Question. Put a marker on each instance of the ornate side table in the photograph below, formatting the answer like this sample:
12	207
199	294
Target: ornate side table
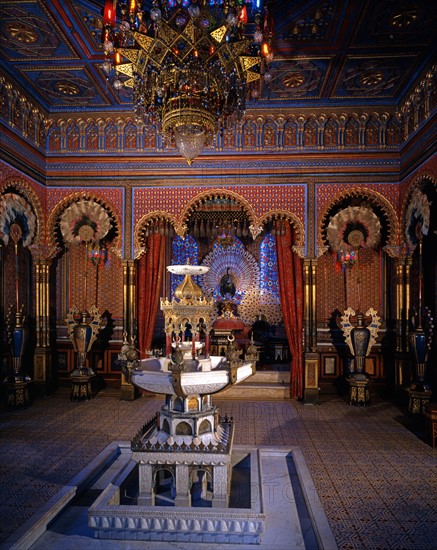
359	392
81	388
18	394
418	400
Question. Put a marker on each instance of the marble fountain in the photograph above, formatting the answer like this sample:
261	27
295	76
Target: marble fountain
181	482
182	459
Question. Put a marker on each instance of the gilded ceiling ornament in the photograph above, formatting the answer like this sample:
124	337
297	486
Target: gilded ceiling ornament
67	88
354	227
417	218
372	78
405	18
22	33
16	211
293	80
84	222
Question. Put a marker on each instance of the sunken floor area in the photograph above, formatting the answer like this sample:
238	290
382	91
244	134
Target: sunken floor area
374	472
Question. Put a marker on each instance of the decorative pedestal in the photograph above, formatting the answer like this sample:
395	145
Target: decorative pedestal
418	400
128	392
311	392
359	392
431	420
18	394
81	388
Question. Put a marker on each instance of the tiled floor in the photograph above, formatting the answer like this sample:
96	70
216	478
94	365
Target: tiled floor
376	478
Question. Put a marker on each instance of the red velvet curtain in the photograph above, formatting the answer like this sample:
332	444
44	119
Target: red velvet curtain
149	283
290	274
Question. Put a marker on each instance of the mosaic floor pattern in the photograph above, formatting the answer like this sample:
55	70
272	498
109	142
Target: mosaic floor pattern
376	479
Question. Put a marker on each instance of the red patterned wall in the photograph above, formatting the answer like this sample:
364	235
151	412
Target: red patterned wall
326	193
104	284
262	199
339	290
112	196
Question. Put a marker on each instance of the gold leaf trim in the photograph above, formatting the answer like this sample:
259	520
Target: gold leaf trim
125	68
144	41
219	34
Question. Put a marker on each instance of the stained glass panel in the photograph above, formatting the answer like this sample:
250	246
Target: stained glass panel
269	266
185	251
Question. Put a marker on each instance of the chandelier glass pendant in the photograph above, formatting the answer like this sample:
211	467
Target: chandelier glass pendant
191	64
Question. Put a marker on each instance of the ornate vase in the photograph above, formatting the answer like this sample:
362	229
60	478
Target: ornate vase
82	336
360	338
17	341
419	345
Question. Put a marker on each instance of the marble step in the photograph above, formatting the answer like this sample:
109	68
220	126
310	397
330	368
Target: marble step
262	385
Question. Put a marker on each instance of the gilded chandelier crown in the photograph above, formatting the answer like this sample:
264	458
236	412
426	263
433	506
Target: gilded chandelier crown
190	63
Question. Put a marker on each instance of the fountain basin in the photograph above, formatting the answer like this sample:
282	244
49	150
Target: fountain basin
200	376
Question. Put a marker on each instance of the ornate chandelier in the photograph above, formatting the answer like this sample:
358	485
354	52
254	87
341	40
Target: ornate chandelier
191	64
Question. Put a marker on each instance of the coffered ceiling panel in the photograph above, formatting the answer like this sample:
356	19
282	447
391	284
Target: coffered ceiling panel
327	53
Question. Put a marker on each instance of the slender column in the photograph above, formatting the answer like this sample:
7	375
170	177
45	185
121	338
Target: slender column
42	355
407	310
132	268
307	302
126	326
400	303
313	305
127	390
129	297
311	381
402	307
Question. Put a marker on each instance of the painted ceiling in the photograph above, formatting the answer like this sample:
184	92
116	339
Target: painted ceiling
336	53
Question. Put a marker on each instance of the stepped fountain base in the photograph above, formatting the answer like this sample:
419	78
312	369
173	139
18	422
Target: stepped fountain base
237	520
282	491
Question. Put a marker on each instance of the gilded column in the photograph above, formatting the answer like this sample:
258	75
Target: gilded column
132	293
129	297
400	303
127	389
314	305
407	309
125	264
307	303
312	360
42	368
311	382
402	307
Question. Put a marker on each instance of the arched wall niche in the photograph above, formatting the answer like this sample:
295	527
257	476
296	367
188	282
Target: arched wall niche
271	219
219	200
338	281
419	223
88	273
54	234
423	183
159	222
24	190
358	196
